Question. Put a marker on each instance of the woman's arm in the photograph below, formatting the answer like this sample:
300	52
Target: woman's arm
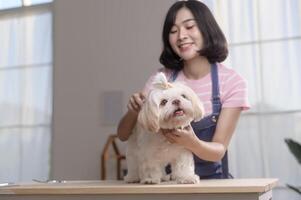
126	125
215	150
128	121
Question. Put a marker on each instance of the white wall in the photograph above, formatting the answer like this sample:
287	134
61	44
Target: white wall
99	46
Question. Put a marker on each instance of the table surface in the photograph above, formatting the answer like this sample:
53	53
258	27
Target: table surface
119	187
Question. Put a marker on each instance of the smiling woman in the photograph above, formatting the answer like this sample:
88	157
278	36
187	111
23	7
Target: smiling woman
193	46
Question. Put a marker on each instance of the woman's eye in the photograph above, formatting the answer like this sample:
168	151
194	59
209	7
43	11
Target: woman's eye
172	31
189	27
163	102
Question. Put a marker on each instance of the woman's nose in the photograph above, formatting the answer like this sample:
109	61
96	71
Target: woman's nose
182	34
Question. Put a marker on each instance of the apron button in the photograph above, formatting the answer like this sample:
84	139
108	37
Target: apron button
213	119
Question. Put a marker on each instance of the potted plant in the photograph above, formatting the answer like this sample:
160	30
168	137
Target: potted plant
295	148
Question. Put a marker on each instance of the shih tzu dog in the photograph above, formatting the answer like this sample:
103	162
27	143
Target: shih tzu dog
167	106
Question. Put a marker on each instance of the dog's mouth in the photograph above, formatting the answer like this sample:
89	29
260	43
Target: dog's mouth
178	112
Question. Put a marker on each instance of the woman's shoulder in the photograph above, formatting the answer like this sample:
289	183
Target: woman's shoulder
227	74
223	69
234	91
169	73
166	71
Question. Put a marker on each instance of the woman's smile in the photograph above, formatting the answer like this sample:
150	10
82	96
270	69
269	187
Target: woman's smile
185	46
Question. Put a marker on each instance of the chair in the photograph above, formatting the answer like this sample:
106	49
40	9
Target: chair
111	141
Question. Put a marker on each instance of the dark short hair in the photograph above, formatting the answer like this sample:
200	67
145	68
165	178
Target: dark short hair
215	47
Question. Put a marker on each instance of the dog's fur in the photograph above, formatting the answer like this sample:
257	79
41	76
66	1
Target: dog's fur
167	106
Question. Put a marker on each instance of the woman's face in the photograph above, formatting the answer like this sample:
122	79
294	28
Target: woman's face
185	37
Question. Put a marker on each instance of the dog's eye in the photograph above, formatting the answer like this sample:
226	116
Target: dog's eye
184	96
163	102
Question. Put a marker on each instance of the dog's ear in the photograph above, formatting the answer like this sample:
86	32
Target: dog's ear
198	107
149	114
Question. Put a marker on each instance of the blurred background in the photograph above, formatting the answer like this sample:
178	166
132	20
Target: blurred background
68	67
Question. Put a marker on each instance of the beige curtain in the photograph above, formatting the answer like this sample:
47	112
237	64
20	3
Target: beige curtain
265	46
25	94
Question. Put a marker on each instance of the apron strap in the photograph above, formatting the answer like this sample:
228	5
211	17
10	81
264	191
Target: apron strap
216	108
216	101
173	76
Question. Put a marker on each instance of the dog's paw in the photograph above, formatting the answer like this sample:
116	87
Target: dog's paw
150	181
166	178
131	179
188	180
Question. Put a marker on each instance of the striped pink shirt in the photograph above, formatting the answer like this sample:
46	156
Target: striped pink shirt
233	88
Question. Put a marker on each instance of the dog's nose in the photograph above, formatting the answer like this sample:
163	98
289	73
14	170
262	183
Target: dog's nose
176	102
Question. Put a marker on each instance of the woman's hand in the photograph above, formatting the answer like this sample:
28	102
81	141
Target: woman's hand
184	137
135	103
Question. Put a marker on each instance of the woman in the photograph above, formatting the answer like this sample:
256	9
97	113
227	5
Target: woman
193	47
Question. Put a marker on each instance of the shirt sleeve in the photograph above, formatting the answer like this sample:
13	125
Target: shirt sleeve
236	93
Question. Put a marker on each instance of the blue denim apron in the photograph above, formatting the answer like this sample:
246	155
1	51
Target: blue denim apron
205	129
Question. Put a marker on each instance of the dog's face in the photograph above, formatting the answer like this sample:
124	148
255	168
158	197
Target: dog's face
170	107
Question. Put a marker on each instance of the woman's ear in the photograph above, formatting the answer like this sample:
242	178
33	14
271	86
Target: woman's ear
148	116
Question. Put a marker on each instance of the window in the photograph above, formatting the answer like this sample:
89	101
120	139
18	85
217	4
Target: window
25	89
265	44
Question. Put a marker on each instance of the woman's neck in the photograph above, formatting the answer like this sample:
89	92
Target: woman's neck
196	68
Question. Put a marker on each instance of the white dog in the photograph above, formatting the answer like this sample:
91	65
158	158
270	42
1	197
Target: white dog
167	106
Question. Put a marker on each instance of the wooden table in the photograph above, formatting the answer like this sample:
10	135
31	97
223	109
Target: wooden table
230	189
